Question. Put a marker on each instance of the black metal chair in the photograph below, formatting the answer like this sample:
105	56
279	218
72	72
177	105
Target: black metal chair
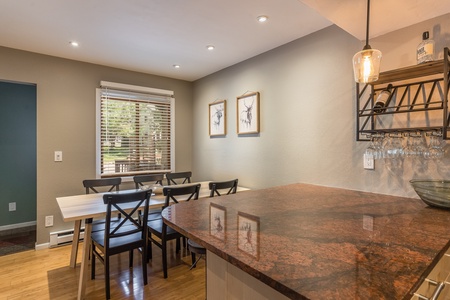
141	180
101	185
163	232
152	179
94	184
229	187
127	235
185	176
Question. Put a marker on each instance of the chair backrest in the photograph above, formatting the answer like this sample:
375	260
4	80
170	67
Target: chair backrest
215	186
139	180
186	176
187	192
127	204
110	183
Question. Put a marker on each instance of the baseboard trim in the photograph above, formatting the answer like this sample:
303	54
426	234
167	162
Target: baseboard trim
42	246
18	225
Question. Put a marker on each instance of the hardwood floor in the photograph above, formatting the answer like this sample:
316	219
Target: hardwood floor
45	274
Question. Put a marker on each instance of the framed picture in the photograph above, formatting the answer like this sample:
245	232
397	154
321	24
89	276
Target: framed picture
248	113
248	234
217	118
217	221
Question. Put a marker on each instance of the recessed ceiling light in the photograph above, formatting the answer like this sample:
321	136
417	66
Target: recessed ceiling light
73	43
210	47
262	19
176	66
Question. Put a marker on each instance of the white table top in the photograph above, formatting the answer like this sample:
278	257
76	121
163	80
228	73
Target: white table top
91	205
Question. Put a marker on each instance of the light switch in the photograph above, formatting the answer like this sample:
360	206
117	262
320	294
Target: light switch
58	155
369	163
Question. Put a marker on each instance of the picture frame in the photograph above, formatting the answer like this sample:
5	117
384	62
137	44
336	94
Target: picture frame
217	221
248	234
218	118
247	109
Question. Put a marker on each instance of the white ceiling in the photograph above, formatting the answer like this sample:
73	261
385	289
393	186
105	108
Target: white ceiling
152	35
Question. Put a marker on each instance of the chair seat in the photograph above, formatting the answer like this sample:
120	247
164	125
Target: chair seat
99	238
155	227
196	248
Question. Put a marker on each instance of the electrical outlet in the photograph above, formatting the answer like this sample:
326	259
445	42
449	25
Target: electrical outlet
58	155
48	221
369	163
12	206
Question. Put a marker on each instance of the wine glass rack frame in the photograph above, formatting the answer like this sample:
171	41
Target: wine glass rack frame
408	83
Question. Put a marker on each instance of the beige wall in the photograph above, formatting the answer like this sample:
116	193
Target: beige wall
66	121
308	115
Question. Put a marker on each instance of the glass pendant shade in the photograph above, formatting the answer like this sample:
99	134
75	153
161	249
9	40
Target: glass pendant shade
366	65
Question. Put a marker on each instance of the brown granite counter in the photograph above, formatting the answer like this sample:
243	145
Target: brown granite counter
322	243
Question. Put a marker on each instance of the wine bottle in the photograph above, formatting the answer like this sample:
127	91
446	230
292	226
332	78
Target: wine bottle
383	100
425	50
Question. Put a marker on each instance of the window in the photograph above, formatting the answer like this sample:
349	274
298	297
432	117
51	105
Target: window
135	130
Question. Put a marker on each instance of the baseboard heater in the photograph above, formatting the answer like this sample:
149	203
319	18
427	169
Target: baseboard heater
60	238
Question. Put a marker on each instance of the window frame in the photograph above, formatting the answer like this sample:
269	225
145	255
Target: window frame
133	89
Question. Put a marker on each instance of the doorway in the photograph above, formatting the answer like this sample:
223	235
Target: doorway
18	151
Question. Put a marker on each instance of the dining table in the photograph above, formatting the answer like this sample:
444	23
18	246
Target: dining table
86	207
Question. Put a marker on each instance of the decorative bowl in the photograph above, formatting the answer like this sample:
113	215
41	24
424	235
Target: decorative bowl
433	192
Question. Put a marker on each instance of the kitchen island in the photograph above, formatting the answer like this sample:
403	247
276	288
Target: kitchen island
312	242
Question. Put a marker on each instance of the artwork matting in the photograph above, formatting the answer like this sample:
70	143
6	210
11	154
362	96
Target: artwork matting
247	108
217	118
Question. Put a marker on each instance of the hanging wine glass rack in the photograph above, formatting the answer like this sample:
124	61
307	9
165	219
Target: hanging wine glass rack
417	91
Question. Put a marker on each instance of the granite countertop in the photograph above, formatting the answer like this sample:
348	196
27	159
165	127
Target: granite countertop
320	243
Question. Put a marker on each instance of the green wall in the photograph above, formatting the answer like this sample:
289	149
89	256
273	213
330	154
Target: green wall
17	152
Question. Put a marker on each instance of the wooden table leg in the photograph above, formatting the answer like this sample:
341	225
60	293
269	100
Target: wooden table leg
75	241
84	272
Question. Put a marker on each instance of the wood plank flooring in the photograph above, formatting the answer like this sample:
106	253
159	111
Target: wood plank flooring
45	274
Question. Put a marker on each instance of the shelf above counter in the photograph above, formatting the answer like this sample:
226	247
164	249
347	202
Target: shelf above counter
419	95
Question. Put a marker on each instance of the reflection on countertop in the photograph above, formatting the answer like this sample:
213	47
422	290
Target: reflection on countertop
320	242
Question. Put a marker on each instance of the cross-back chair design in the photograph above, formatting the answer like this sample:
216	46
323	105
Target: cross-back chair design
159	229
98	186
228	187
93	185
125	235
185	176
140	180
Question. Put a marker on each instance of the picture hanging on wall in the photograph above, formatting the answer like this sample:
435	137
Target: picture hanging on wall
217	118
248	113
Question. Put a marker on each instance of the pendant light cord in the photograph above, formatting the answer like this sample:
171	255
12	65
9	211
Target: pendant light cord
367	27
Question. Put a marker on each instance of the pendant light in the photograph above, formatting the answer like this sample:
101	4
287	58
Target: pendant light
366	63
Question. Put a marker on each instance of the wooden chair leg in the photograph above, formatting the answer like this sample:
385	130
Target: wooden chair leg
193	260
130	259
92	262
164	257
107	286
149	248
177	247
144	265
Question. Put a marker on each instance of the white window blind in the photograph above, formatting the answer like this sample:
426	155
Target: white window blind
134	131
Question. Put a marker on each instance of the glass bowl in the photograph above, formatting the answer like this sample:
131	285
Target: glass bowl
433	192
